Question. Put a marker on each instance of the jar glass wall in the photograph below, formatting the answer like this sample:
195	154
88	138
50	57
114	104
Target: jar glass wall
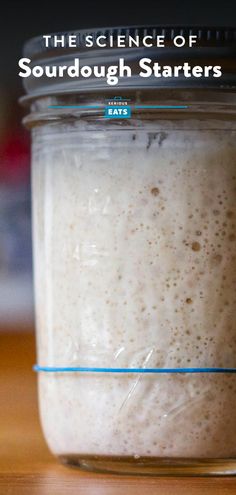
135	267
134	237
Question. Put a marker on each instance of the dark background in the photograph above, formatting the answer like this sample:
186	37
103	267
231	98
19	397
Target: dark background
18	22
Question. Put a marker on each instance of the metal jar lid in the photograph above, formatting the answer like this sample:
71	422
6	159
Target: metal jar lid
214	46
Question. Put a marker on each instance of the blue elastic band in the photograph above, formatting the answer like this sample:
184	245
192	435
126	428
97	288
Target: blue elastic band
86	369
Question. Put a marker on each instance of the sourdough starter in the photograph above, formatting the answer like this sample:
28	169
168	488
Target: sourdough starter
135	266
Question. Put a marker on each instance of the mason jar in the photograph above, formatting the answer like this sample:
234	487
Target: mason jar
135	263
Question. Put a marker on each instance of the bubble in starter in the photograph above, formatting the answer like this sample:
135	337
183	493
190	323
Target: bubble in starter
155	191
196	246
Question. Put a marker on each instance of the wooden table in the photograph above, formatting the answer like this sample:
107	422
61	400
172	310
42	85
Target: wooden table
27	467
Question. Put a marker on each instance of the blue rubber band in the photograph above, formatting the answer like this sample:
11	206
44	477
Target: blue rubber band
86	369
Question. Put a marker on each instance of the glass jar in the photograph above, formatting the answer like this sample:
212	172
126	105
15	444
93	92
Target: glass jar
135	275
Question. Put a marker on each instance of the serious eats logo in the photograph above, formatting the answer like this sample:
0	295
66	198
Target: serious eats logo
117	108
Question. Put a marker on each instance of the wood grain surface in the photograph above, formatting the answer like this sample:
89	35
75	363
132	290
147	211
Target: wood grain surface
27	467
